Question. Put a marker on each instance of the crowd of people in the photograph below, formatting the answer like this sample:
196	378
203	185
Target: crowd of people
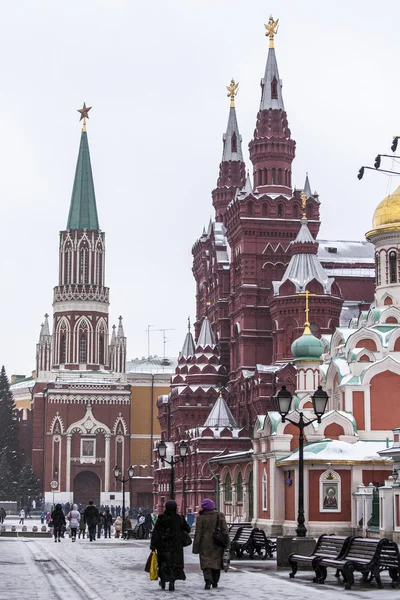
95	522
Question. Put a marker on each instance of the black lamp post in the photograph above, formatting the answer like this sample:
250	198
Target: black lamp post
395	474
162	453
118	476
319	400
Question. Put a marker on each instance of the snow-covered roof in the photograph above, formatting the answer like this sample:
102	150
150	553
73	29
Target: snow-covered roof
220	415
337	451
152	365
344	251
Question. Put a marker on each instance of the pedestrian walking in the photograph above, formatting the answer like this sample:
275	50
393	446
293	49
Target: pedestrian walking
2	515
118	526
74	517
21	516
107	523
42	517
204	544
91	516
82	524
100	523
148	524
167	540
58	519
28	512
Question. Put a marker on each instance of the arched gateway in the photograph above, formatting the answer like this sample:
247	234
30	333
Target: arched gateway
87	487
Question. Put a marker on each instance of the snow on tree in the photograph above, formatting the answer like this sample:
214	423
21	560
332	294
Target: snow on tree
27	484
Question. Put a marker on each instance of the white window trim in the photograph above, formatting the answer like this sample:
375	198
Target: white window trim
264	490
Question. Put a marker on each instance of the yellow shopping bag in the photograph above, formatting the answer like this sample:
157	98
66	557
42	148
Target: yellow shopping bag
153	573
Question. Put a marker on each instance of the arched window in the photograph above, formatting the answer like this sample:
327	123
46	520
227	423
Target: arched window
309	211
295	211
265	176
279	176
101	349
264	491
250	209
393	266
234	143
274	88
228	489
264	210
100	268
239	488
82	348
84	265
63	348
273	176
280	210
67	266
378	269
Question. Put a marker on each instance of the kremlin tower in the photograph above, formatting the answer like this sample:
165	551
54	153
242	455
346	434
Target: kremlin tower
81	401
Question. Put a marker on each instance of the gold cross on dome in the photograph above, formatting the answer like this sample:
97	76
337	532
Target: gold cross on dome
307	294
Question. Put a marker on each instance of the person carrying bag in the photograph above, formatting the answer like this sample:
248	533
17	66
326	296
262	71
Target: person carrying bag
210	540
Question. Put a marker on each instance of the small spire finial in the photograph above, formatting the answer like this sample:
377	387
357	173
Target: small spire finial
303	197
307	330
188	324
46	316
84	114
272	30
232	91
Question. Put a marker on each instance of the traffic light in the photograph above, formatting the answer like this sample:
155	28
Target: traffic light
361	173
377	162
395	142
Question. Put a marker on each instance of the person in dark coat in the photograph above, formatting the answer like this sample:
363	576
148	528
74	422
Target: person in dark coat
167	540
91	517
58	518
148	524
203	544
107	523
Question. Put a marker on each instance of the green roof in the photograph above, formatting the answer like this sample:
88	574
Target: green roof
83	210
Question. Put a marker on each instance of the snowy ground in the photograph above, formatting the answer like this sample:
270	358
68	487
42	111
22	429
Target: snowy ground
39	569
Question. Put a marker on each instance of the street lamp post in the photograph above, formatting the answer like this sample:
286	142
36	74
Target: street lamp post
119	477
162	455
319	400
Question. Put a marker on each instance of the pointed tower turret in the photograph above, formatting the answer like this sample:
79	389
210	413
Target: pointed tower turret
307	188
206	337
119	365
43	348
220	416
272	150
232	168
188	348
81	299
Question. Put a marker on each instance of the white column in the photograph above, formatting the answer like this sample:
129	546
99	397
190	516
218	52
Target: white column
256	461
68	465
107	464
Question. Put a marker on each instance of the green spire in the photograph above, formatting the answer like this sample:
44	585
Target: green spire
83	210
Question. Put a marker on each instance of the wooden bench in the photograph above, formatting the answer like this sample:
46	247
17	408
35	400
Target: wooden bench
368	556
241	541
327	546
260	542
234	527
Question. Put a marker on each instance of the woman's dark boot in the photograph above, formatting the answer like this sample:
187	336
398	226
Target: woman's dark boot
207	586
172	586
162	584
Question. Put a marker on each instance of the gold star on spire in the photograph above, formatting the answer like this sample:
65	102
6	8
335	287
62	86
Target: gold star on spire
84	114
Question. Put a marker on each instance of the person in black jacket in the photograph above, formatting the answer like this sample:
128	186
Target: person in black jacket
107	523
58	518
167	540
91	516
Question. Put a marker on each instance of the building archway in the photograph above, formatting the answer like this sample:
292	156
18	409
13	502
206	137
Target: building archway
87	487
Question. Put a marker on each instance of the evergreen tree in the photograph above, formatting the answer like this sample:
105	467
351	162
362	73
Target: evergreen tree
7	483
8	426
27	484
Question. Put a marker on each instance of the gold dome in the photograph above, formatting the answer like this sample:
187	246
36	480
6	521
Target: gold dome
387	213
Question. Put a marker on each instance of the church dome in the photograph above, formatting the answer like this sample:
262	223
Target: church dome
387	213
307	347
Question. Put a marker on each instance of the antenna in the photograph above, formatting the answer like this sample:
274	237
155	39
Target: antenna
165	340
148	339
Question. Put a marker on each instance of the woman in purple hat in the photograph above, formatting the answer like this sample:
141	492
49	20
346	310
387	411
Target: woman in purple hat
204	544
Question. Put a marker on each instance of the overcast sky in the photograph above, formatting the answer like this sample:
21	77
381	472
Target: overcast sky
155	74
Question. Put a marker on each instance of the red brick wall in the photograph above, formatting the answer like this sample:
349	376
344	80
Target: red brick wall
370	344
333	431
375	475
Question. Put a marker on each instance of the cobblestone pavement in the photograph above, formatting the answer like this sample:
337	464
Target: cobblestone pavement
40	569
